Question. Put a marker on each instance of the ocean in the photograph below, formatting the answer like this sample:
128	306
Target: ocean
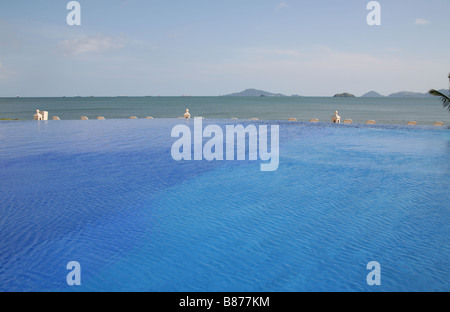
398	111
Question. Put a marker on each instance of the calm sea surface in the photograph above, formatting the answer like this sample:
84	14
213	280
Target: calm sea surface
425	111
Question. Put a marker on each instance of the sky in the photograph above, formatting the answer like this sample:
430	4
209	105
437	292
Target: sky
211	47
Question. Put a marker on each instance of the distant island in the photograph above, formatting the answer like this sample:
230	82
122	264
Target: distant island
255	92
345	94
371	94
402	94
409	94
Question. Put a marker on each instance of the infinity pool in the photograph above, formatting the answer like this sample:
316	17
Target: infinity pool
108	195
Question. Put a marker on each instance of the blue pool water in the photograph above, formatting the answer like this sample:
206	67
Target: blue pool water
109	195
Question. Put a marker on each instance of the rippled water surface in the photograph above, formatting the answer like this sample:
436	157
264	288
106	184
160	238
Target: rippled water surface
109	195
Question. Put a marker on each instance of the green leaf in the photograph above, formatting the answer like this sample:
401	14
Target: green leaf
444	98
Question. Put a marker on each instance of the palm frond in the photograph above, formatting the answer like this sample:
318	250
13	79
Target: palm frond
444	98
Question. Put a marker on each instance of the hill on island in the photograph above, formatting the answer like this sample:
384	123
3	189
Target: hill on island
254	92
345	94
372	94
409	94
403	94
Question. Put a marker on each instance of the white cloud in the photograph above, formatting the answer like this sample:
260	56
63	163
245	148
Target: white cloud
421	21
282	5
89	44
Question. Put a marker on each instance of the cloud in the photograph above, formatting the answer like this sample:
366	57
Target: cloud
421	21
90	44
282	5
